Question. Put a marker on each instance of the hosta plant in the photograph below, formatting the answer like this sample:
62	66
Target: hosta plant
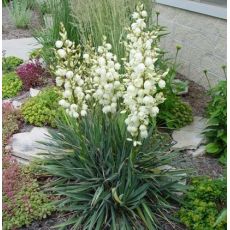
103	181
11	85
42	109
9	64
32	73
216	130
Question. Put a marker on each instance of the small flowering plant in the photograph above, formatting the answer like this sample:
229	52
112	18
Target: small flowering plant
94	77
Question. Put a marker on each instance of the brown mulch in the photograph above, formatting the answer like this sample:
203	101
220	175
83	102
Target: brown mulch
10	31
197	96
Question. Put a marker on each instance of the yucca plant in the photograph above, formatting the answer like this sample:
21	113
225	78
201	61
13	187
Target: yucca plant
106	184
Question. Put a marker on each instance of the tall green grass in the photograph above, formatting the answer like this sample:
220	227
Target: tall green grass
60	11
90	19
95	18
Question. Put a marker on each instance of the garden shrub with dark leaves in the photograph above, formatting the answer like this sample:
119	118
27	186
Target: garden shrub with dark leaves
106	183
32	73
9	64
216	130
42	109
11	85
23	201
203	204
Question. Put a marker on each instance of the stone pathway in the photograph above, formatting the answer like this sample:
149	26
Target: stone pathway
20	47
190	137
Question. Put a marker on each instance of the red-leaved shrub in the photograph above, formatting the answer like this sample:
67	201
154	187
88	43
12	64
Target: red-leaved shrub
32	73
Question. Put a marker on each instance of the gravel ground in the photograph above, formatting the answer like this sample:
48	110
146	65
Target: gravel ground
200	166
9	30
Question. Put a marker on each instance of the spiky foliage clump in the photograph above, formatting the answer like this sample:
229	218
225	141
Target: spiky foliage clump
103	181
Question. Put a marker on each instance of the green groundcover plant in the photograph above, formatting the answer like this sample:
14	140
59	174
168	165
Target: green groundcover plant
11	85
203	204
103	181
9	64
11	121
174	113
42	109
216	130
23	201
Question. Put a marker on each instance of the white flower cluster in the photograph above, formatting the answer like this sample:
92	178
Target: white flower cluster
72	76
97	77
106	78
142	79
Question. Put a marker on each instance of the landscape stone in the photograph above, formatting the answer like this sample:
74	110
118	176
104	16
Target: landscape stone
17	104
190	136
34	92
198	152
24	145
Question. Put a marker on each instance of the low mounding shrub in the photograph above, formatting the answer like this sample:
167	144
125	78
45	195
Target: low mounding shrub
11	85
11	121
203	203
174	113
32	73
216	130
9	64
42	109
23	201
105	182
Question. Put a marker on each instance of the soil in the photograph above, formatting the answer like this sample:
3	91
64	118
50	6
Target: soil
10	31
197	96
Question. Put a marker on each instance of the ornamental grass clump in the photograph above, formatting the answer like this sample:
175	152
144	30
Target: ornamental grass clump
32	73
20	13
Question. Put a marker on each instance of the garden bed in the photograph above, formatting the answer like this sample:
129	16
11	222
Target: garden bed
124	139
10	31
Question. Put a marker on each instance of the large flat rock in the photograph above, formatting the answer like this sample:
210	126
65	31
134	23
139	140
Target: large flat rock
20	47
24	145
190	137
